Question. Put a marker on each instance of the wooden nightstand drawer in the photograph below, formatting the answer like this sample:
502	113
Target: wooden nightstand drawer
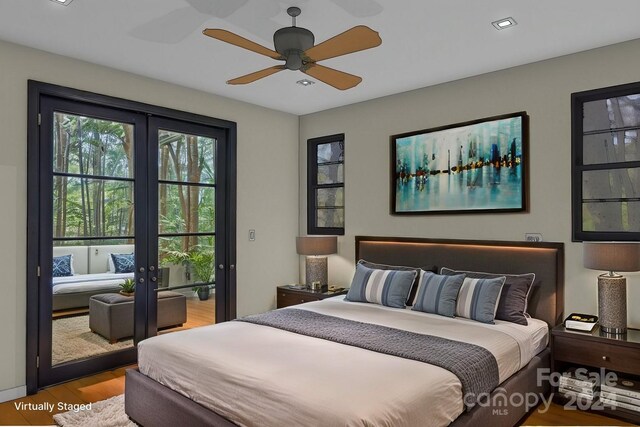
287	296
285	299
597	354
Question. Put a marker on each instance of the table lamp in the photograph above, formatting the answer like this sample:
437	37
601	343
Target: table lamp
316	264
612	287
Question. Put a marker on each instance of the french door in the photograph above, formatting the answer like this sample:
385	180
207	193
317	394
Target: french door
123	197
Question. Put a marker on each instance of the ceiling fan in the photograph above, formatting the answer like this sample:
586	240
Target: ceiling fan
295	46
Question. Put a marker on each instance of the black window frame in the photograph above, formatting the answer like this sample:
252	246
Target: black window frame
578	100
312	184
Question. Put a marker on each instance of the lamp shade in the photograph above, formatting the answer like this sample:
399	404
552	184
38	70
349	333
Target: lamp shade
317	245
611	256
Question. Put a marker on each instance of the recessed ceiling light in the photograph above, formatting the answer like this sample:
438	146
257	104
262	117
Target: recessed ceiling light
305	82
62	2
501	24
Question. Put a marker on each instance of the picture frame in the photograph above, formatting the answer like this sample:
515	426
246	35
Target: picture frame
479	166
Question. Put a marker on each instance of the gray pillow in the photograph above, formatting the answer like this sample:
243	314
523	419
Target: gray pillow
386	287
437	294
478	298
414	285
512	306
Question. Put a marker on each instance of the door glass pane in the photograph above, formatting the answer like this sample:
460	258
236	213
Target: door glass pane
86	207
191	259
92	260
186	208
90	146
186	230
186	158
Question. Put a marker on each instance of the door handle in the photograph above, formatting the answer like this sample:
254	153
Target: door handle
221	266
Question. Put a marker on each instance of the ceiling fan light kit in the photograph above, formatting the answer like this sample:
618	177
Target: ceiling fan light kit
296	46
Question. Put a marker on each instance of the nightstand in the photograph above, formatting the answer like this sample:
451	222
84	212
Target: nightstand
288	295
596	351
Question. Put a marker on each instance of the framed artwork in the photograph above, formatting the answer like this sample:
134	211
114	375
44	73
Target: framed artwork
606	163
472	167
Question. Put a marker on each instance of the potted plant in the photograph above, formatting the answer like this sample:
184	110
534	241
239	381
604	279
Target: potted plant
199	263
128	287
202	264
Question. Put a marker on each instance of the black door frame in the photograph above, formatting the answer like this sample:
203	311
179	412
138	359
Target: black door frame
36	92
155	124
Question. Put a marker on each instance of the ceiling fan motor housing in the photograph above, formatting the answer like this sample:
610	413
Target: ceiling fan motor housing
291	42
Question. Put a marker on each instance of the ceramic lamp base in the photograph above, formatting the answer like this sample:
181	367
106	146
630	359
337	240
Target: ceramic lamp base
612	303
316	272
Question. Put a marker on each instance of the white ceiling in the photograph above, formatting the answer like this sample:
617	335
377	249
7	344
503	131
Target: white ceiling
424	42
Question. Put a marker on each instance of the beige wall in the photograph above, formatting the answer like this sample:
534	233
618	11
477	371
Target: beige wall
543	90
267	183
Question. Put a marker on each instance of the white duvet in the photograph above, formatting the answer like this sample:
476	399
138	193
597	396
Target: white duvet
260	376
89	282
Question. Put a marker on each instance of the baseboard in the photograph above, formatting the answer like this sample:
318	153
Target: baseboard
13	393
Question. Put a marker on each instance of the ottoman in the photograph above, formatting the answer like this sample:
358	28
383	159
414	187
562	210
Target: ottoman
111	315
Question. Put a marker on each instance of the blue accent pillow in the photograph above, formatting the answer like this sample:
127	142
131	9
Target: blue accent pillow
512	306
478	299
123	263
62	266
437	294
386	287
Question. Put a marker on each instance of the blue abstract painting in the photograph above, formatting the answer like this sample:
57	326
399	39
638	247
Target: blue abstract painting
476	166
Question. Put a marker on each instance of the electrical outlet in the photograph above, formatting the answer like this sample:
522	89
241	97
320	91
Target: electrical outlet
533	237
252	235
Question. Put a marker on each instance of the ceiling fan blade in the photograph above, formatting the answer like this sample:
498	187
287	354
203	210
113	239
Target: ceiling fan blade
338	79
250	78
353	40
236	40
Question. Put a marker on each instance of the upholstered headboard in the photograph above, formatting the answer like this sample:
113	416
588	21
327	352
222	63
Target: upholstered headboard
545	259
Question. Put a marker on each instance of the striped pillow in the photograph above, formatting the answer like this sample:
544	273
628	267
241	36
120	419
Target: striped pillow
386	287
478	299
437	294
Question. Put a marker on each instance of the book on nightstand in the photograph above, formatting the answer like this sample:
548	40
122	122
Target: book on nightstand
581	322
625	394
578	386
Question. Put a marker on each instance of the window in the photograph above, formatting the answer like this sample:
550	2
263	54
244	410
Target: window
325	185
606	163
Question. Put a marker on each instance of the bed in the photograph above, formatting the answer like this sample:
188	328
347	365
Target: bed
246	373
91	275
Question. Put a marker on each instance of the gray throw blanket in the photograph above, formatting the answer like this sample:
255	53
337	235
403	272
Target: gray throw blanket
475	366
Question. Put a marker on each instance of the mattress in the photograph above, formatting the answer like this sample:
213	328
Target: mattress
260	376
88	282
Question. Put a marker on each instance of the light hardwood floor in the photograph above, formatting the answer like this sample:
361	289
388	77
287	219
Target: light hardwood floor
96	387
